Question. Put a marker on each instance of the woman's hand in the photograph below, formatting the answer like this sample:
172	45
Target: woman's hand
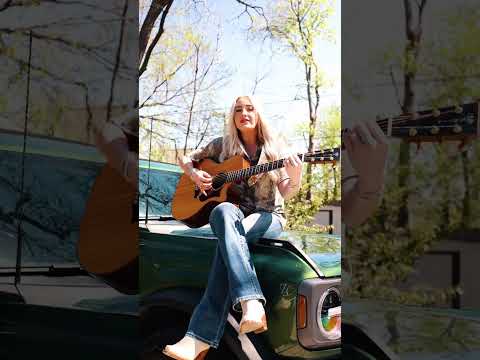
366	145
202	179
293	167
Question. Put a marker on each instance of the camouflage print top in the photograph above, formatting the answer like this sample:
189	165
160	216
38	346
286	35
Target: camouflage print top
263	195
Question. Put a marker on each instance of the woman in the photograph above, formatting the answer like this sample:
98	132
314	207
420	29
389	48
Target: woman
233	281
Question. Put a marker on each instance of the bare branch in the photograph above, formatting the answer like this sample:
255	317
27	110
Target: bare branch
258	10
117	62
163	82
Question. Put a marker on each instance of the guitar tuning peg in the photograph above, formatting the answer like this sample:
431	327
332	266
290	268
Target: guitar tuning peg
434	130
457	129
412	132
436	112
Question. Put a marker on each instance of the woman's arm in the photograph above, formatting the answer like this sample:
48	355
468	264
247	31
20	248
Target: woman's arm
366	147
186	164
112	142
201	178
289	185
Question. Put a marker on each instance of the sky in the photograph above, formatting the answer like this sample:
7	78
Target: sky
246	59
279	89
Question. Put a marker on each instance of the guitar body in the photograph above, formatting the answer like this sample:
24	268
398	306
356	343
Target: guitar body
108	241
190	206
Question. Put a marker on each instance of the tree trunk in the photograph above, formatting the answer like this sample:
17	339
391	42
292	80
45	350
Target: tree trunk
466	211
311	129
414	35
156	8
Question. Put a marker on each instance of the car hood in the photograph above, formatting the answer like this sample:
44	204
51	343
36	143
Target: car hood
413	332
323	249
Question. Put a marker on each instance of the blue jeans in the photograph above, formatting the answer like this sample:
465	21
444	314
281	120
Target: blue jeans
232	277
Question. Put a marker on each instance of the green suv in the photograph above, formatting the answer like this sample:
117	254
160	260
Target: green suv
299	274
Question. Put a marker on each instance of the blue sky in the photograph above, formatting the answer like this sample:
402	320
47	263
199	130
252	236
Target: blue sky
279	90
284	73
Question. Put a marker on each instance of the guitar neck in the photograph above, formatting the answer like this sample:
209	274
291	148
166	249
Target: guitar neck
316	157
255	170
453	122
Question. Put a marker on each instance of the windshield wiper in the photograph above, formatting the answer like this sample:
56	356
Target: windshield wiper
157	218
51	270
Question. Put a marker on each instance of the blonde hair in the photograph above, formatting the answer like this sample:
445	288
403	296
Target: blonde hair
265	135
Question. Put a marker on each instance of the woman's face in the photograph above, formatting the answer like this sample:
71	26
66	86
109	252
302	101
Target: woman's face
245	115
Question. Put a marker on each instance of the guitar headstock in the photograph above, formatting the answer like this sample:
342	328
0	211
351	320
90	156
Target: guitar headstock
323	156
452	123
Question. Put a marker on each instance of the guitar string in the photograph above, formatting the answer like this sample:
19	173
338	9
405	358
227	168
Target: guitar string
240	173
250	171
408	117
383	123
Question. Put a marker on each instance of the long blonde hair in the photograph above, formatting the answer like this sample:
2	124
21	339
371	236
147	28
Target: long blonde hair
265	135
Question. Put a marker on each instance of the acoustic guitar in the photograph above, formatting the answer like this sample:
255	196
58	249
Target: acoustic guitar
108	240
451	123
193	208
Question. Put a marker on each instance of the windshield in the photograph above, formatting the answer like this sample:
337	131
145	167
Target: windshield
57	178
157	183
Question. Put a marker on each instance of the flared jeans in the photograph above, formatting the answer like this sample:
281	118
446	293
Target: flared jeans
232	277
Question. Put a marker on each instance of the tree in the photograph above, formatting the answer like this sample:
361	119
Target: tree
325	177
66	67
178	91
433	181
413	11
299	24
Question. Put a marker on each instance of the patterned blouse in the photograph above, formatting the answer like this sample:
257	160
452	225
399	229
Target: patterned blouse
263	195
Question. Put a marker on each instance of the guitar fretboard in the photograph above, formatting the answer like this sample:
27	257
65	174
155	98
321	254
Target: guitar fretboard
246	173
330	155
